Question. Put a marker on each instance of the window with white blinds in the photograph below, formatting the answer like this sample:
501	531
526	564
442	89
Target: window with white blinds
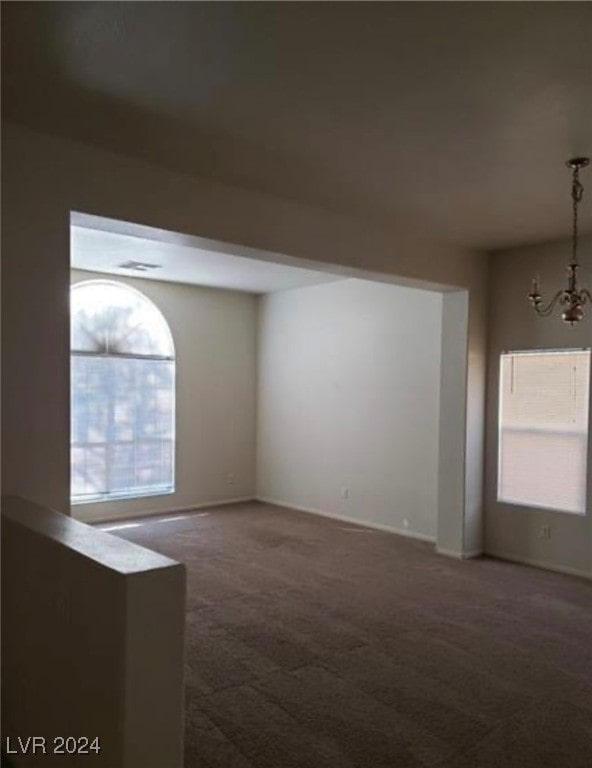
543	429
122	394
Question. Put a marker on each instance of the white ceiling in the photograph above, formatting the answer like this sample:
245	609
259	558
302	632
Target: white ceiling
454	117
102	251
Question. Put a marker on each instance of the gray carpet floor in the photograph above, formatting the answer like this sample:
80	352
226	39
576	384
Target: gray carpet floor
312	643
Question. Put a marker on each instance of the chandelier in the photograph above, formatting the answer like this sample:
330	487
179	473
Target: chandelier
572	298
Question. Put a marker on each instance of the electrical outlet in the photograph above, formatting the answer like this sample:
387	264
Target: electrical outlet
230	478
545	532
344	492
405	523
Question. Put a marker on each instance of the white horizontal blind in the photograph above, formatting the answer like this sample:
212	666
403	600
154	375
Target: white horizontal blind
122	430
543	429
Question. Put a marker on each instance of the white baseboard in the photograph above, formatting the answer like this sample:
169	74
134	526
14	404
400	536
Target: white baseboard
545	565
171	511
348	519
459	555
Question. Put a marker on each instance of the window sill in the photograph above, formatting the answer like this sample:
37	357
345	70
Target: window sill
74	501
540	507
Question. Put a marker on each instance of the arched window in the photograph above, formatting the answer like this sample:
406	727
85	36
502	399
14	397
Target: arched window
122	394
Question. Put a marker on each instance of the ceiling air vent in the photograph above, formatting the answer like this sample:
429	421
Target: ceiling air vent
138	266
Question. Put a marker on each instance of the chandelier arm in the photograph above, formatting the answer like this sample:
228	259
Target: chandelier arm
586	295
546	311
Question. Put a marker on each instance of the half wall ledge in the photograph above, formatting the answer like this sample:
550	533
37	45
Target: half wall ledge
92	641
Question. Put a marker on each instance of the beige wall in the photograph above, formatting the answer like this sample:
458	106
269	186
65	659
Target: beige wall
46	178
349	388
453	391
215	342
514	531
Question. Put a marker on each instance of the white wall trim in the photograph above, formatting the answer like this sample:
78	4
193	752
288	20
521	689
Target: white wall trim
459	555
158	512
348	519
544	564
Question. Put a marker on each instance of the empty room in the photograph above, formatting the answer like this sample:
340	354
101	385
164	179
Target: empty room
296	340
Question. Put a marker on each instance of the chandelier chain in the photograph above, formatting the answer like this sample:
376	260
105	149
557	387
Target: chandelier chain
577	192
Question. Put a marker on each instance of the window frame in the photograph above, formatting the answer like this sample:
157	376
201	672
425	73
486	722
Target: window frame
500	428
138	492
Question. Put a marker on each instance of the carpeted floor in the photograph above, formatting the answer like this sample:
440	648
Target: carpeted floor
314	643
